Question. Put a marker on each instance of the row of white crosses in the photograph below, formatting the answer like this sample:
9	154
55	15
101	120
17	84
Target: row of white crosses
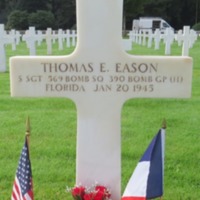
68	37
187	38
34	38
31	37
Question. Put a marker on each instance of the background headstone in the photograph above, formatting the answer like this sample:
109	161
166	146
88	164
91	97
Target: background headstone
4	39
30	37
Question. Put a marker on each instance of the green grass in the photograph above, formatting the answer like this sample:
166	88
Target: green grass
53	135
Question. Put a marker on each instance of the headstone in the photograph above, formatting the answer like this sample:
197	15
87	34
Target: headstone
30	37
157	38
178	37
54	36
4	39
193	37
12	35
40	37
186	41
127	44
18	37
150	38
99	76
140	37
136	37
73	37
60	39
168	39
145	35
131	36
49	37
67	36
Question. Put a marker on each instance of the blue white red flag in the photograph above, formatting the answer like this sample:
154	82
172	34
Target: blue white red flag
23	186
146	181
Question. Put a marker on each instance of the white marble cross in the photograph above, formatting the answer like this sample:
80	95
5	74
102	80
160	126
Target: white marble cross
99	76
193	37
67	36
49	36
131	36
60	36
17	37
4	39
150	38
73	36
186	40
157	38
40	37
127	44
30	37
178	37
140	37
145	36
12	35
168	39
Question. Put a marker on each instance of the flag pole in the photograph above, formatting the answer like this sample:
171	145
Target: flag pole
164	124
28	131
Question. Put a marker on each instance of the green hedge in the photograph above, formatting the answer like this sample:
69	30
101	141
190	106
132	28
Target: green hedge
21	20
42	19
18	20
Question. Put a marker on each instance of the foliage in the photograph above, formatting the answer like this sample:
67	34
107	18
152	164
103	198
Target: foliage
131	11
18	20
196	27
186	12
32	5
96	192
2	4
3	12
178	13
41	19
65	13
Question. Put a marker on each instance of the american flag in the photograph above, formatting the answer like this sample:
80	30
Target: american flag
23	187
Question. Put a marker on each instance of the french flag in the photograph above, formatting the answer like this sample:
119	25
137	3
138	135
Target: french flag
146	181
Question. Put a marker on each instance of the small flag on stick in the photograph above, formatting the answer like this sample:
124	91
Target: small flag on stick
146	181
23	186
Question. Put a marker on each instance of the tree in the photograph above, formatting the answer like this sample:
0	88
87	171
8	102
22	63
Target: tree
196	27
2	4
41	19
2	10
197	19
132	9
176	12
18	20
64	12
33	5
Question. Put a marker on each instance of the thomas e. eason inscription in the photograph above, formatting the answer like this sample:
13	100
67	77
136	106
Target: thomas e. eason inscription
143	76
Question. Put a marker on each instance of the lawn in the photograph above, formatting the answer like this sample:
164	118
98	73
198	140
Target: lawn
53	135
